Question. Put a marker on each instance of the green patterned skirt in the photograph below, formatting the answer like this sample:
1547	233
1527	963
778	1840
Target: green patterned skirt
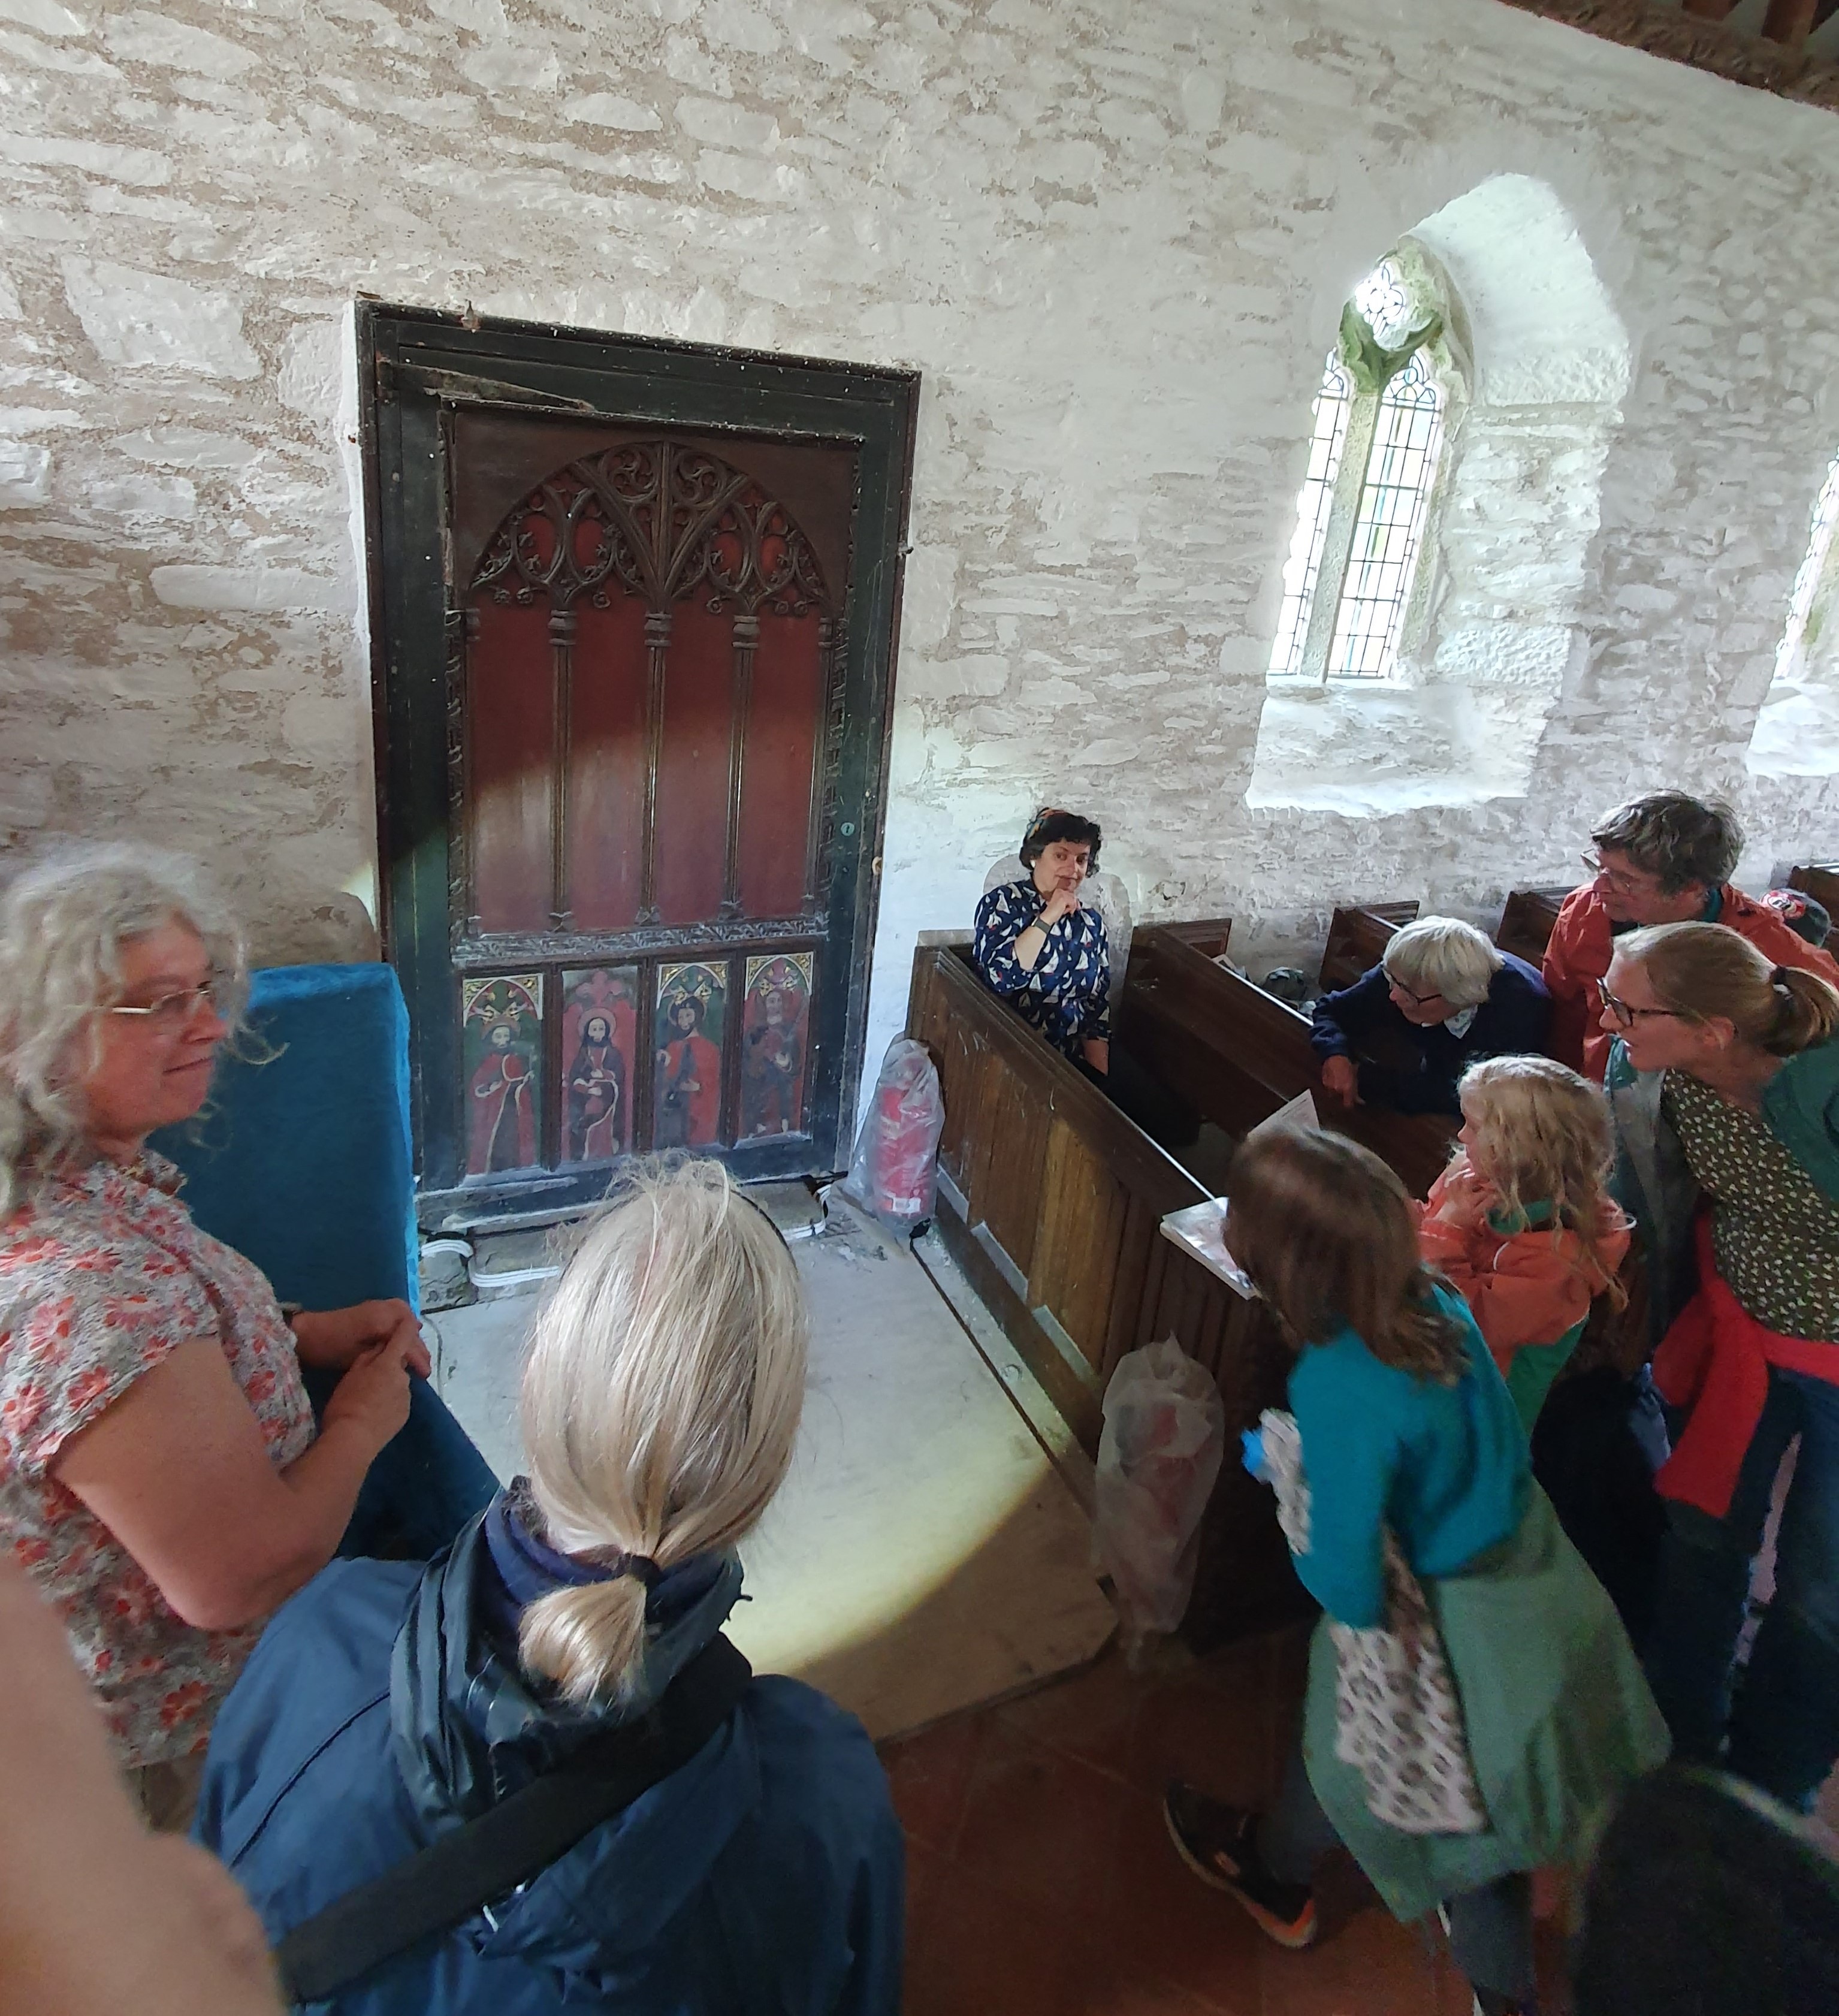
1558	1717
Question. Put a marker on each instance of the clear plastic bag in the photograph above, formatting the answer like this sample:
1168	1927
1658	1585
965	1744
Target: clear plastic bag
894	1171
1164	1435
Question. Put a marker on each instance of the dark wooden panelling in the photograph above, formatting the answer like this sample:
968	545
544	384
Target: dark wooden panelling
1209	936
1357	935
1526	919
1819	880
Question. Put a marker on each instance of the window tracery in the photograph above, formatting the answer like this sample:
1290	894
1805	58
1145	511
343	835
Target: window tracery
1379	423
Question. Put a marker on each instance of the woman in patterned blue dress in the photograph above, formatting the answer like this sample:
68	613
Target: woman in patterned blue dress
1043	950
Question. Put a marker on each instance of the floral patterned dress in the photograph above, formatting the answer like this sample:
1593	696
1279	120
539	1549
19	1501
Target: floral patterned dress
103	1275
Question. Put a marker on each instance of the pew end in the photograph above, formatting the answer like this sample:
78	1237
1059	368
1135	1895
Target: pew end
1209	936
1528	918
1357	937
1820	881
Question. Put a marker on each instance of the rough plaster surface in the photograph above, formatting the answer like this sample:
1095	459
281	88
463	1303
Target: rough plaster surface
1114	239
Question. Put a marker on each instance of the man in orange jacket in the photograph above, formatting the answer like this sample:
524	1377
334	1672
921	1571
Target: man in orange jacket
1664	859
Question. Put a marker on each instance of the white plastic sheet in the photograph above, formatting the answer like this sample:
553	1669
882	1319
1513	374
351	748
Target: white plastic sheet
1165	1433
894	1171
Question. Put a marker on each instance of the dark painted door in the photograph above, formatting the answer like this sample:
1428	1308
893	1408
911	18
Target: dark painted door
633	773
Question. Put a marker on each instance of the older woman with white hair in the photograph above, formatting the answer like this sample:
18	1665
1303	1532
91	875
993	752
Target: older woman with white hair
726	1842
1442	998
162	1476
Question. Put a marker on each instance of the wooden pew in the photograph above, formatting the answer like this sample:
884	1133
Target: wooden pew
1357	935
1820	881
1208	936
1237	1054
1526	919
1051	1201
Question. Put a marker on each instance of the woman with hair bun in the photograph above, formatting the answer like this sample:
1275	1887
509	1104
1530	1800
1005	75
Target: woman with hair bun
1724	1086
387	1706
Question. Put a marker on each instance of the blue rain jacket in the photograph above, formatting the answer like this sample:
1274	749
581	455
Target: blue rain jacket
763	1879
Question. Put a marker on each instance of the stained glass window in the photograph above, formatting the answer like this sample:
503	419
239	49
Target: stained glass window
1313	502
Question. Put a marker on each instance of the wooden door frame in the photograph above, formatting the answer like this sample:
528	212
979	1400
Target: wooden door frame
441	360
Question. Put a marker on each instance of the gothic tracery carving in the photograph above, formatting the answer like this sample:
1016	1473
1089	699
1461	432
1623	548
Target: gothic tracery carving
657	521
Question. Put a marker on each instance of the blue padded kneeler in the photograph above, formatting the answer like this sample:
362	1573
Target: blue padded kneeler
302	1160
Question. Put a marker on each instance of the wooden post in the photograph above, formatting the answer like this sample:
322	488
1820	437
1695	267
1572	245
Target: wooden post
1788	22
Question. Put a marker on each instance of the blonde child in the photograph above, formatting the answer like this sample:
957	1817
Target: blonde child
1521	1222
1404	1430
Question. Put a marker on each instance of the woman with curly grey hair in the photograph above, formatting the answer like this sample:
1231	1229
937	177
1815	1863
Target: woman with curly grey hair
162	1476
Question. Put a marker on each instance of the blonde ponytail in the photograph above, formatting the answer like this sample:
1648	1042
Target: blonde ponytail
587	1639
661	1397
1707	972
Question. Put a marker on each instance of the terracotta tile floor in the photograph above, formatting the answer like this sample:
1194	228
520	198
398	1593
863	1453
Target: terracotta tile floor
1041	1881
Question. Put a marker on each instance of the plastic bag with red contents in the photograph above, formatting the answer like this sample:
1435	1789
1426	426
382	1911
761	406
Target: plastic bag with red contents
894	1171
1164	1435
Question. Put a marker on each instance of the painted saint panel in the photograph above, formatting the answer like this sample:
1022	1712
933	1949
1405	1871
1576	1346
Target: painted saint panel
692	1012
599	1061
501	1028
775	1042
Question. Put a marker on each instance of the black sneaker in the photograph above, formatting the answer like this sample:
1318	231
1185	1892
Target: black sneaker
1219	1844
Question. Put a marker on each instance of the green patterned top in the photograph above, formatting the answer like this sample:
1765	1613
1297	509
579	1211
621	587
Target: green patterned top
1775	1232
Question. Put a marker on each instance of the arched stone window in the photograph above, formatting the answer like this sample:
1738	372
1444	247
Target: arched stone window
1380	419
1451	641
1797	731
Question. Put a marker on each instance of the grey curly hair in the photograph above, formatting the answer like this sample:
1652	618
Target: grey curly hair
62	924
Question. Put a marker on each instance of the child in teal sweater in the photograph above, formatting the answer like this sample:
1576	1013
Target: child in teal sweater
1407	1430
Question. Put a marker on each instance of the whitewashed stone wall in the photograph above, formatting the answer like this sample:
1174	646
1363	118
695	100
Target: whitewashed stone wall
1114	238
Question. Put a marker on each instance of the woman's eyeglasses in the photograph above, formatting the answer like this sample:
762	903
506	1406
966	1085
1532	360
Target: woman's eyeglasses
1625	1017
1416	1000
173	1012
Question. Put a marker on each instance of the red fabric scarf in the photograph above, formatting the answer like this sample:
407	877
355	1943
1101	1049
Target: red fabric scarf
1715	1359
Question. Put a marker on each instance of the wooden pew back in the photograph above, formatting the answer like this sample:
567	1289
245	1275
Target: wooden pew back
1527	920
1209	936
1052	1202
1357	936
1820	881
1238	1054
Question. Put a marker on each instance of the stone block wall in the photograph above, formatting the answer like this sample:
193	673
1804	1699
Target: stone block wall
1114	238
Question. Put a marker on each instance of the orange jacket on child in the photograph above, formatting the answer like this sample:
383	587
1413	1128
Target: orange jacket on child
1523	1287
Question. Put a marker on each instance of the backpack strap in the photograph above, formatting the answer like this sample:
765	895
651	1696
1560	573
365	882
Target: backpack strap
445	1883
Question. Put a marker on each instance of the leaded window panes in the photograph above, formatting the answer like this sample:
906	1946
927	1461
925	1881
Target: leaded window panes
1388	525
1378	430
1313	500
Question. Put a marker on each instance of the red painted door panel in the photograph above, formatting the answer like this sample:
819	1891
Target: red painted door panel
646	729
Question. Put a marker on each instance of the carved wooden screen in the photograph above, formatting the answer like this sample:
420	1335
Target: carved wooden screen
642	750
633	612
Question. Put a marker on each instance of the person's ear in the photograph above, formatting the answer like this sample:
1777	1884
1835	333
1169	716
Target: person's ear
1715	1032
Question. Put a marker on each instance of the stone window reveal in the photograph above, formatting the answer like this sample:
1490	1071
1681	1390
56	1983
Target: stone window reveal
1797	733
1426	635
